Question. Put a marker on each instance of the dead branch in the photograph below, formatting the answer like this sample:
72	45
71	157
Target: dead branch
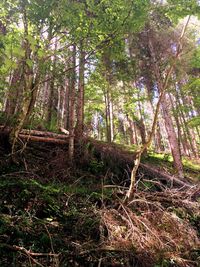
28	252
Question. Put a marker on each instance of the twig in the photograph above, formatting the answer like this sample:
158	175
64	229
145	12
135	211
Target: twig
29	253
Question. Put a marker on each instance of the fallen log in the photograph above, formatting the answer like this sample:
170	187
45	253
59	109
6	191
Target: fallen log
43	139
153	172
44	134
111	154
36	133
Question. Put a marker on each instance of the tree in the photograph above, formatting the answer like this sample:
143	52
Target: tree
162	87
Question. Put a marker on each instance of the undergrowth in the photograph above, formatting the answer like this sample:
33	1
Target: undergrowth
53	214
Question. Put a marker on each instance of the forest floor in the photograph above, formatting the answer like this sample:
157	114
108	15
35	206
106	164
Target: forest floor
55	214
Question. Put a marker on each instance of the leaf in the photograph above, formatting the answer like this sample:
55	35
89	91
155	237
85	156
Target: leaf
41	53
29	62
194	122
18	52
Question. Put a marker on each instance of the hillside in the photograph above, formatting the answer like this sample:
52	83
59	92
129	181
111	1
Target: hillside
53	213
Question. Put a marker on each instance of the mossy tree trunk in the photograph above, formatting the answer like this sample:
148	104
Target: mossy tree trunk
28	87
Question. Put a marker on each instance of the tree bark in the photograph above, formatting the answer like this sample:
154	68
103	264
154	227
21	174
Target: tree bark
159	146
66	104
182	138
51	96
80	95
173	141
27	76
14	87
72	104
108	97
183	117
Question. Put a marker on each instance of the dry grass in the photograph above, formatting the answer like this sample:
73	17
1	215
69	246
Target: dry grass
147	227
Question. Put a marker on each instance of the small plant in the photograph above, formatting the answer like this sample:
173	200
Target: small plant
96	167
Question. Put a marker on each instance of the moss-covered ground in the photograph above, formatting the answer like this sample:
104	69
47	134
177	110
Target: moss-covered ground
55	214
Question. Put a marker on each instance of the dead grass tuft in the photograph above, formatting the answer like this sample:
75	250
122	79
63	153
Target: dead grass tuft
150	230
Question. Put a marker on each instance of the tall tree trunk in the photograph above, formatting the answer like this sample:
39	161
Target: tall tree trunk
109	115
111	119
14	87
72	104
61	106
159	140
162	86
185	126
131	131
141	125
33	96
27	77
173	141
108	97
182	138
159	146
80	95
51	97
108	134
66	104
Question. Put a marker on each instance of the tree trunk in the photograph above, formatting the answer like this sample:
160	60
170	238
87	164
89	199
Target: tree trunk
14	87
33	97
141	125
131	131
108	97
80	96
109	116
185	126
27	77
51	97
72	104
66	104
182	138
159	146
162	87
173	141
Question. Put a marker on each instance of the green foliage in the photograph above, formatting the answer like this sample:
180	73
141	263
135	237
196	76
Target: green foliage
96	167
177	9
195	62
194	122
